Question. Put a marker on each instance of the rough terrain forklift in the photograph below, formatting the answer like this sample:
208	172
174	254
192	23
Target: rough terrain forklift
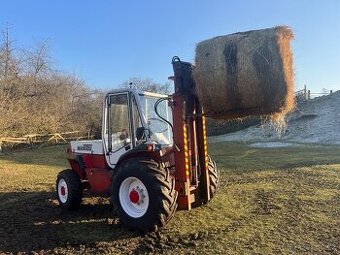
152	158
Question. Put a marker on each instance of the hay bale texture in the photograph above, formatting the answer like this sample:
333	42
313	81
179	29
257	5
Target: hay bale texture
248	73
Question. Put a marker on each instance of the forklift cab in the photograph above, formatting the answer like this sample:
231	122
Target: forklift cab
130	118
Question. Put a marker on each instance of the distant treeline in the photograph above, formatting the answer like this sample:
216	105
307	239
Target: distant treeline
35	97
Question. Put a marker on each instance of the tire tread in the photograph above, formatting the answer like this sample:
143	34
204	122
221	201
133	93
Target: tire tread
75	189
164	183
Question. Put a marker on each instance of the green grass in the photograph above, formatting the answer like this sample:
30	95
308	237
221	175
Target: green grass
270	201
31	170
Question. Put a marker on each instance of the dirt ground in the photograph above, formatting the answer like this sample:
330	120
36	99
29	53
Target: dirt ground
270	201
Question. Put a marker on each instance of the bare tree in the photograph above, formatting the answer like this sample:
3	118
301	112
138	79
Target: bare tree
35	98
38	65
9	62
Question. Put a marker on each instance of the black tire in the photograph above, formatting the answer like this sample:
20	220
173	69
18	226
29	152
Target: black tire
161	194
74	190
214	176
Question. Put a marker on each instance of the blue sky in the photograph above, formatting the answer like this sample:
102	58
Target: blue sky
107	42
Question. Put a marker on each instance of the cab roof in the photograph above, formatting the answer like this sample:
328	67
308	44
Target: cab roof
136	91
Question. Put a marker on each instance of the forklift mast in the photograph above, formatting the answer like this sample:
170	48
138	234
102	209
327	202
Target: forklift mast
190	139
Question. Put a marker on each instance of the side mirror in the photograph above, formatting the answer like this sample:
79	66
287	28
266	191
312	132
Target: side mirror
142	132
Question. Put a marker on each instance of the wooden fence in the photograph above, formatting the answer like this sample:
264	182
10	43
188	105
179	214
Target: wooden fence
305	94
40	139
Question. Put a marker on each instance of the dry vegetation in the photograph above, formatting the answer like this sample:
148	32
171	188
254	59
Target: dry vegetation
271	201
35	97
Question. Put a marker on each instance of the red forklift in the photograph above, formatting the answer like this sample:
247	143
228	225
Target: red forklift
152	158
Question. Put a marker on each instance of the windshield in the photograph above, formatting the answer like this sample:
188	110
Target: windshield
160	130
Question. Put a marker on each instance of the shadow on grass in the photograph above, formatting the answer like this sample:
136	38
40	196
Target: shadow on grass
32	221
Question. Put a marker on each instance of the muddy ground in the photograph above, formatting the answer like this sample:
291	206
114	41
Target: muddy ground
270	201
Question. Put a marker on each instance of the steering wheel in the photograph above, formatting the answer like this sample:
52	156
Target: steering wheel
162	121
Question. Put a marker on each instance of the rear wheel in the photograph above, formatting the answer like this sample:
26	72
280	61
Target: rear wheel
144	195
214	176
69	189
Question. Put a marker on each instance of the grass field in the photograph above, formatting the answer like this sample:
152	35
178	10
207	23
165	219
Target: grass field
270	201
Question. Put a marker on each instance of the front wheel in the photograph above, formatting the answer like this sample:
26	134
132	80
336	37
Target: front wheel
144	195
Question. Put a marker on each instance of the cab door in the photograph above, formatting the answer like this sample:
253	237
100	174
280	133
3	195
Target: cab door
117	136
122	118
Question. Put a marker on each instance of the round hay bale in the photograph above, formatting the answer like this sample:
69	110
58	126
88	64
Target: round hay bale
248	73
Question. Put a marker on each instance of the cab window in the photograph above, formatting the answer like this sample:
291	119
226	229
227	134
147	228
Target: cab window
120	125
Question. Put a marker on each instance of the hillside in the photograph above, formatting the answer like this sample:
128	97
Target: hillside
315	121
